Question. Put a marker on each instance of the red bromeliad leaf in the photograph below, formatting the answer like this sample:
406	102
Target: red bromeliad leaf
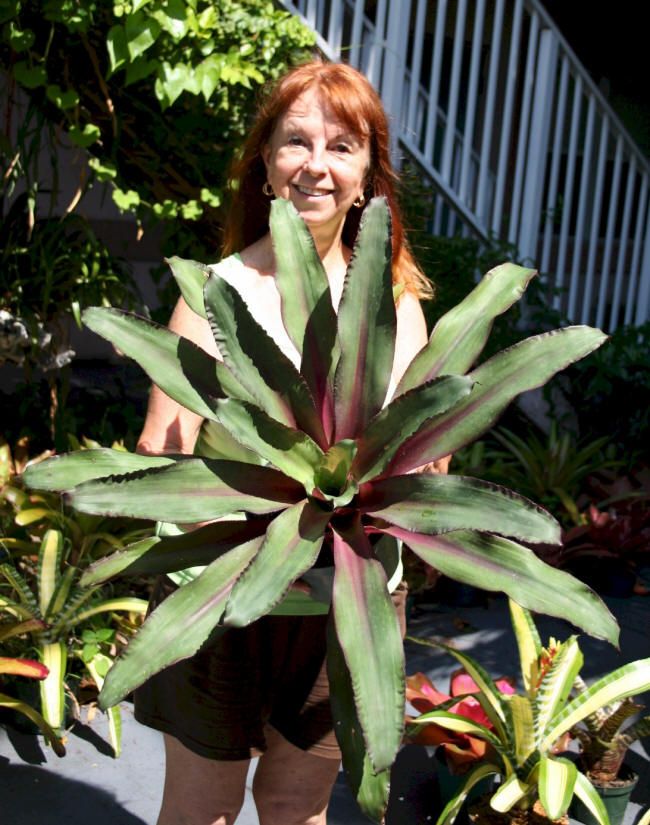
291	546
435	503
525	366
189	490
460	335
400	419
23	667
370	789
167	554
307	311
261	366
495	563
181	369
196	607
366	326
369	635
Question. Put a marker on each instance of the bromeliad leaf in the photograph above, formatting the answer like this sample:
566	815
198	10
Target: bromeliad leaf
460	335
366	326
523	367
495	563
291	546
434	503
557	779
369	635
190	277
63	472
307	310
259	364
197	607
370	789
291	451
181	369
401	418
190	490
166	554
556	684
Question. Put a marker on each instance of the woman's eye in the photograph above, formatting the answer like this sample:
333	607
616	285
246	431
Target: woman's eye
343	148
295	140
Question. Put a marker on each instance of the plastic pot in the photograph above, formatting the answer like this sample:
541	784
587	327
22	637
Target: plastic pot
615	798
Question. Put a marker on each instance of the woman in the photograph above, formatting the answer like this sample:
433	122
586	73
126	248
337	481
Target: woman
320	140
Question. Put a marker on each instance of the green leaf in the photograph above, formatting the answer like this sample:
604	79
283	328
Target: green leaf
495	563
366	325
85	137
215	441
472	778
31	77
591	799
291	451
125	200
49	568
166	554
129	604
54	656
36	718
64	100
460	335
196	607
172	81
520	726
522	367
369	789
557	779
307	311
436	503
528	644
555	687
191	277
509	793
118	52
625	681
334	469
369	635
104	169
63	472
141	33
259	364
291	546
181	369
190	490
401	418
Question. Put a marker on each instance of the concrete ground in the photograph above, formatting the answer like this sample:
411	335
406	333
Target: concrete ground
88	784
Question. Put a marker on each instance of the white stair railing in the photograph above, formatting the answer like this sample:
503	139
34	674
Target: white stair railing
491	102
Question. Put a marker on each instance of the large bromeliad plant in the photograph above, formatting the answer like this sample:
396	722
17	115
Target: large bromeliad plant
316	455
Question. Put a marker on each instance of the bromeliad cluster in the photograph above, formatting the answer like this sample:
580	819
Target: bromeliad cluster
316	454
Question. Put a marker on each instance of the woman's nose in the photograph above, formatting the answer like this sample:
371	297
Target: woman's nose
315	163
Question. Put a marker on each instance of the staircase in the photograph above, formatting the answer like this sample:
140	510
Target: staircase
491	103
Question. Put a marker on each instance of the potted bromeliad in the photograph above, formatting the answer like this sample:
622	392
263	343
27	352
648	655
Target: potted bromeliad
313	453
524	734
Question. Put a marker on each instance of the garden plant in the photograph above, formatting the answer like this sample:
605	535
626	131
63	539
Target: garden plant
526	732
317	461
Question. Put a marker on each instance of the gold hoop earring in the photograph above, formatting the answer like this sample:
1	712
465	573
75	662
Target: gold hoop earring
267	189
359	201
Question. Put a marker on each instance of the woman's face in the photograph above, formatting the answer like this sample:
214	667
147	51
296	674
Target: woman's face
314	161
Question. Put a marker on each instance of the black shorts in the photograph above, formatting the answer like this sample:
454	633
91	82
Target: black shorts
218	702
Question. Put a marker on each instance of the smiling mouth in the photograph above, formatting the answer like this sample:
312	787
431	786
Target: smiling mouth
315	193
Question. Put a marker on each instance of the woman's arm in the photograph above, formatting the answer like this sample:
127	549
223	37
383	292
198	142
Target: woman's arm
411	337
169	427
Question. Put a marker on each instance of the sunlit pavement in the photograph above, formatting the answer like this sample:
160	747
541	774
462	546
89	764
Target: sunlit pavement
88	784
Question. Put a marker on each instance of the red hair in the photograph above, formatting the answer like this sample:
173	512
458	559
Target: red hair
355	103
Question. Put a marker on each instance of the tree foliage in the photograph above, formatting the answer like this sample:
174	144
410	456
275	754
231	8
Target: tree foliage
157	91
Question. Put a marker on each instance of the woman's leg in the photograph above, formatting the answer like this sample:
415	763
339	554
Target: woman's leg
292	786
200	791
